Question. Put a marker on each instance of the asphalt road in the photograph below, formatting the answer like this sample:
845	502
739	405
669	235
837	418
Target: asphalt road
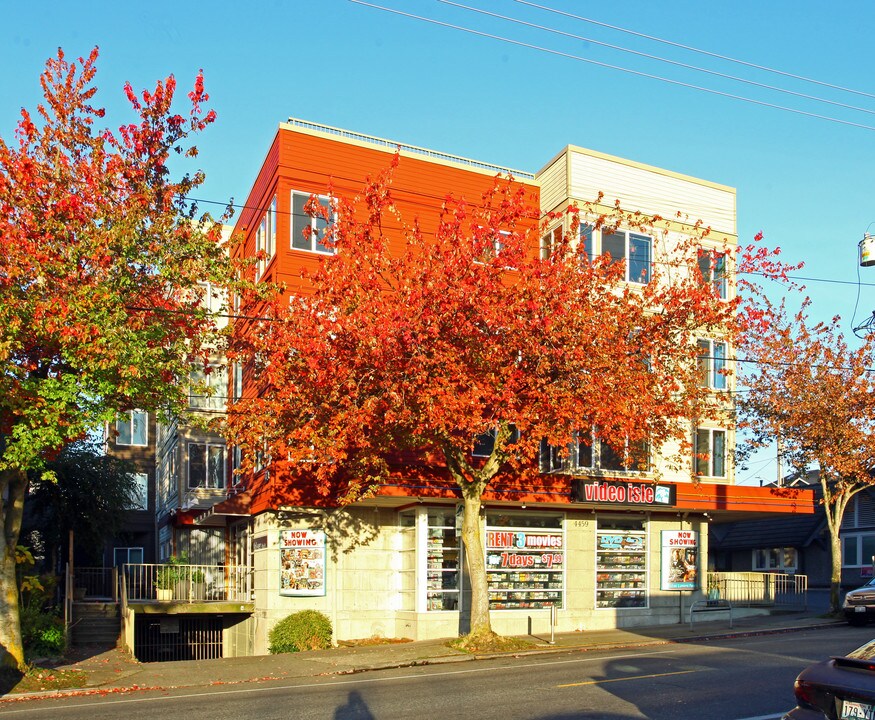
730	679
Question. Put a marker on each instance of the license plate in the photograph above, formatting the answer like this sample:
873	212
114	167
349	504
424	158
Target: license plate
861	608
857	711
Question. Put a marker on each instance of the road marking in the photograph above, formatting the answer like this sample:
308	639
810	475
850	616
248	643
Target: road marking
328	682
632	677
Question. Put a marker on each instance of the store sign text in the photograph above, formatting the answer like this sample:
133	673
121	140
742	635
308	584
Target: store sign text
622	493
529	541
521	560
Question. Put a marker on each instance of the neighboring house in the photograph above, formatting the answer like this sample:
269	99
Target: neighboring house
800	544
393	566
133	437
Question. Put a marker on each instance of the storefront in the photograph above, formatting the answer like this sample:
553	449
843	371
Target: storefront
614	554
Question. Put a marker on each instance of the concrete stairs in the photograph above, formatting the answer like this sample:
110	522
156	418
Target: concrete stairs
95	623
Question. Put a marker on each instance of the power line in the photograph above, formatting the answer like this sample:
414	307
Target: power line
638	73
668	61
718	56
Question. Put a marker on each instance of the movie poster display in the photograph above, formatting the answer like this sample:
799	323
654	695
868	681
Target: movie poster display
621	568
302	562
525	564
680	560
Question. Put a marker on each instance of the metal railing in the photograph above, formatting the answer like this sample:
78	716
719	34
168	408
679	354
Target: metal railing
754	589
95	583
186	583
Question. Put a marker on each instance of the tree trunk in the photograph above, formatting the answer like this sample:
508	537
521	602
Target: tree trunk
475	558
13	484
835	583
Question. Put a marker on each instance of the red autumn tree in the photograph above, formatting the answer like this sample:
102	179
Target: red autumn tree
100	258
807	387
420	350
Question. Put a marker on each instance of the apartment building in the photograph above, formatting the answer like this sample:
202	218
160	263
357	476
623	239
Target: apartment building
601	543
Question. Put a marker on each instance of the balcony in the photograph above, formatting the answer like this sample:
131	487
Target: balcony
186	588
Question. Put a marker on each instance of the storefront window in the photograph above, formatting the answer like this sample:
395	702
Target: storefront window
525	561
621	564
407	554
442	591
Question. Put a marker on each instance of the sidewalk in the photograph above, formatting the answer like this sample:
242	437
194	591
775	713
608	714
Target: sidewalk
112	670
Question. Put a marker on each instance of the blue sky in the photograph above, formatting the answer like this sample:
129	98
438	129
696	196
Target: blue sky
807	183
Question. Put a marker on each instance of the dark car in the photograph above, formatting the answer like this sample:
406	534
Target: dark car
841	688
859	604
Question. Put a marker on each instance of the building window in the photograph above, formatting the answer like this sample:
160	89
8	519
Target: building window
308	233
442	570
139	500
634	249
206	465
236	463
127	556
712	364
525	561
712	266
237	383
589	454
549	241
710	452
265	238
132	428
858	550
484	443
621	564
406	576
587	242
212	298
208	387
775	560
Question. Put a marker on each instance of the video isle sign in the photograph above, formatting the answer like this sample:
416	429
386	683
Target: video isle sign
619	492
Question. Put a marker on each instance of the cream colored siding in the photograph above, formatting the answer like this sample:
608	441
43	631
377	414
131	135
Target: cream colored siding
553	181
651	191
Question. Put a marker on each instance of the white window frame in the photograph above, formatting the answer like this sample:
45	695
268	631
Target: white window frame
713	266
712	359
265	239
549	241
315	245
550	462
216	383
710	464
127	553
222	481
488	439
859	539
774	559
130	419
593	244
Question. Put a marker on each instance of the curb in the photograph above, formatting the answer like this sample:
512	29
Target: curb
108	689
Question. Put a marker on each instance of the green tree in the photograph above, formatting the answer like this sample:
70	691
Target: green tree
88	495
101	255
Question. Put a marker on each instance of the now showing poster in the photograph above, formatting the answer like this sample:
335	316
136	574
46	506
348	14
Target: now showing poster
680	560
302	562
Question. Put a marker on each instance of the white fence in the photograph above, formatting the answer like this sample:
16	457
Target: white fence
753	589
186	583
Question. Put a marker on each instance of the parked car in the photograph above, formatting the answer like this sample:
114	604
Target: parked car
859	604
841	688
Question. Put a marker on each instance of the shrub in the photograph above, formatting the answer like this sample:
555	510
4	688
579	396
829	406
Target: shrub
304	630
42	633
